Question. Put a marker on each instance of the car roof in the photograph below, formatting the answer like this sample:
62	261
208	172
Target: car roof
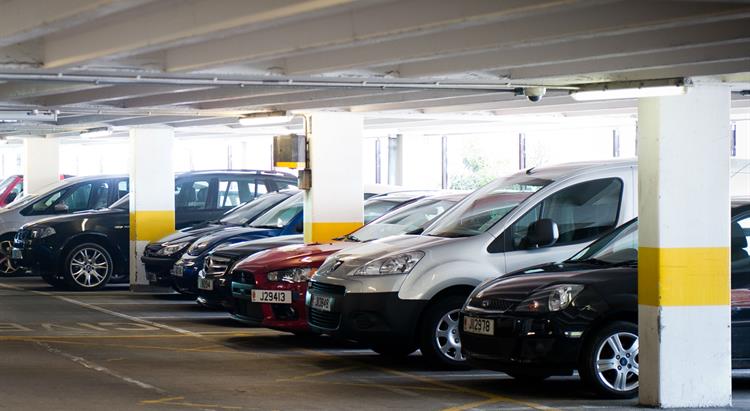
402	195
560	171
238	172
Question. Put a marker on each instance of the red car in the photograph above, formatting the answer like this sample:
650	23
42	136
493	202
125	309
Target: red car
268	288
12	187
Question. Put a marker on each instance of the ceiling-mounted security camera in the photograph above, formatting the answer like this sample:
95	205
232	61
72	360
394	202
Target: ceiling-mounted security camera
534	94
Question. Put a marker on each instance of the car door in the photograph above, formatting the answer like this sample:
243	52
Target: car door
740	253
195	200
582	211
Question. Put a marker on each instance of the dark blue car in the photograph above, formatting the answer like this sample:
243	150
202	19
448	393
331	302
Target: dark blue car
283	219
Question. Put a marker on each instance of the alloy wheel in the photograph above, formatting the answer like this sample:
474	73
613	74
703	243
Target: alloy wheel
617	362
447	337
89	267
6	264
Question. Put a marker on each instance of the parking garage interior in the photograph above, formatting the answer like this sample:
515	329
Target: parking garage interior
495	144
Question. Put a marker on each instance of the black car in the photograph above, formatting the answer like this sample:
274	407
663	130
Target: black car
557	318
159	256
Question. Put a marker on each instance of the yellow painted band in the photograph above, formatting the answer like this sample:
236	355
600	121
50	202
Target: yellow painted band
324	232
683	276
286	164
151	225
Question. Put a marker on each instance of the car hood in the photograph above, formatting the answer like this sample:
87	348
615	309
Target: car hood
192	233
246	248
516	286
81	215
363	253
298	255
235	234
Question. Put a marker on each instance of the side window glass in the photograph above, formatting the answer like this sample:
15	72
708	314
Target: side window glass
122	189
740	231
78	198
262	189
100	198
247	190
192	194
229	194
43	205
582	212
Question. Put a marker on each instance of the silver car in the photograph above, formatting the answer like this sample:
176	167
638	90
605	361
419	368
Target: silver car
404	292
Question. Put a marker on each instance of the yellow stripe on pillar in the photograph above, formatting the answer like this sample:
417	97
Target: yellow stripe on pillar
151	225
324	232
683	276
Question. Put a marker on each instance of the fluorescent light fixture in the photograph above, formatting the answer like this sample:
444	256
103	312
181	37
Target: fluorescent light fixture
623	93
96	132
266	119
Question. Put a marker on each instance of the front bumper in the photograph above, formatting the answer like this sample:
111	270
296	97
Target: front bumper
287	317
220	294
158	268
366	317
36	256
184	275
532	345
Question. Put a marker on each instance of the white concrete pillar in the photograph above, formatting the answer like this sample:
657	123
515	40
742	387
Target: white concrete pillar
151	194
334	204
396	160
683	271
42	164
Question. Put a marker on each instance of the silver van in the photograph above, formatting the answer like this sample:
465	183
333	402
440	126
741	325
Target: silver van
404	292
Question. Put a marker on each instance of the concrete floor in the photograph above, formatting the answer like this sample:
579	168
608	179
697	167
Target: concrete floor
115	350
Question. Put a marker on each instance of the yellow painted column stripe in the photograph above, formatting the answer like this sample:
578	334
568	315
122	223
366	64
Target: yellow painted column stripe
683	276
151	225
323	232
289	164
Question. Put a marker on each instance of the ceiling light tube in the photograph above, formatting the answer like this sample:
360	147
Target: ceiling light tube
624	93
96	132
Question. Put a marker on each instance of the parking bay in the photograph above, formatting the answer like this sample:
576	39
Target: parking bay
118	350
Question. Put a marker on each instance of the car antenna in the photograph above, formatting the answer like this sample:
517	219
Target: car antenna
528	172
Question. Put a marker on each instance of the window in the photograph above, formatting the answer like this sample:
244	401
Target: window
192	194
229	194
77	199
122	188
44	204
582	212
100	199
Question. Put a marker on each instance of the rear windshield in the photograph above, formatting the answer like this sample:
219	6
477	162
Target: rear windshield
252	209
280	215
486	206
403	220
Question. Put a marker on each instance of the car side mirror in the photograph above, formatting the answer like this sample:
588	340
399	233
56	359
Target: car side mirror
542	233
61	208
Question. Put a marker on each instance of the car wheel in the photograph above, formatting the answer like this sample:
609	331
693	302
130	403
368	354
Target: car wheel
439	336
394	350
609	362
88	267
6	264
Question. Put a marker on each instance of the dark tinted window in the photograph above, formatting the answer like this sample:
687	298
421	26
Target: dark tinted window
192	194
78	198
100	195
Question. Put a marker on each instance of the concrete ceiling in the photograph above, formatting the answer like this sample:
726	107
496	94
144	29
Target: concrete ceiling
204	63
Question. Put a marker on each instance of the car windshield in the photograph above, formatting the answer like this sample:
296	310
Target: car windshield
618	247
122	204
376	207
404	220
252	209
486	206
280	215
6	183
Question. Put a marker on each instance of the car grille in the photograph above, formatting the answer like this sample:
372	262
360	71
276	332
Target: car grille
494	304
322	319
327	288
216	266
244	277
248	310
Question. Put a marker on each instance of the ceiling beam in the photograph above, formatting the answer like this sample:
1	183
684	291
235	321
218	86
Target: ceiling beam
393	20
90	119
214	121
380	98
106	93
291	98
583	50
23	20
18	90
168	24
147	120
567	26
212	94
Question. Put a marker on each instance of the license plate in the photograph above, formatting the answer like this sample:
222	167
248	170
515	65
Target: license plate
269	296
177	270
206	284
479	326
321	302
16	254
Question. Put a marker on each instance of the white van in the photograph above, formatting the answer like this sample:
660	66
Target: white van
404	292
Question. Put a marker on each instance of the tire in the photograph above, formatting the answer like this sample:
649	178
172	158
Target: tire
394	350
439	337
609	361
6	264
88	267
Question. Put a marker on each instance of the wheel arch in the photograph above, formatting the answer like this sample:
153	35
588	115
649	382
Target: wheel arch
118	260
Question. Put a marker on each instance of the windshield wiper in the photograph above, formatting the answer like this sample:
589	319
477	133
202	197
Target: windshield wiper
265	226
350	237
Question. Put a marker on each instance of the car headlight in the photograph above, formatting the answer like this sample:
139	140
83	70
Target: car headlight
556	298
41	232
169	249
198	247
292	275
396	264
